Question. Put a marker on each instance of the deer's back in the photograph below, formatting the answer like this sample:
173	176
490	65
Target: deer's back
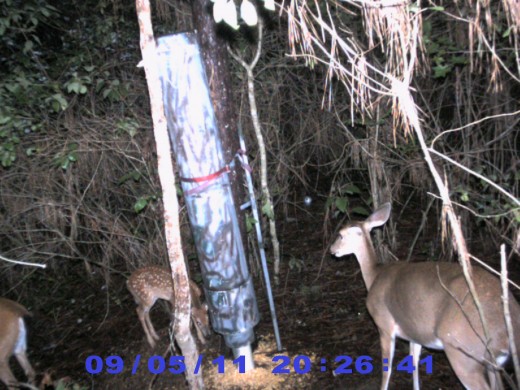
430	301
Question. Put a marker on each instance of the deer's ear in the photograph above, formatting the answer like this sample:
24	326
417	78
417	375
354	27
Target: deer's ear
195	289
378	217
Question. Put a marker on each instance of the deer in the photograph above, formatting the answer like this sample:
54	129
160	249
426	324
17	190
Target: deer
13	341
429	305
148	284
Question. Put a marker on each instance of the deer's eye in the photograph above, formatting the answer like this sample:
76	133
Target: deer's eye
355	231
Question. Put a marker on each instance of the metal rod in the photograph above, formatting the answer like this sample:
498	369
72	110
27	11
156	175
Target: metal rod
247	352
254	209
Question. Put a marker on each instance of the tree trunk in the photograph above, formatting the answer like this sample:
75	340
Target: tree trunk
216	61
182	307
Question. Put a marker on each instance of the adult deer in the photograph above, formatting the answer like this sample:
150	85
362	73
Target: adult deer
151	283
429	304
13	342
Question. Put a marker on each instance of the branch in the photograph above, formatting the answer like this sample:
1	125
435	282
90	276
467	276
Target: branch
513	198
22	262
267	200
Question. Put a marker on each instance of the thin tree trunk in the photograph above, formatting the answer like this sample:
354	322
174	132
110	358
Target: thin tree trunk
267	201
182	308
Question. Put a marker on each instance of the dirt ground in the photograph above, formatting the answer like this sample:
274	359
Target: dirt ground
320	303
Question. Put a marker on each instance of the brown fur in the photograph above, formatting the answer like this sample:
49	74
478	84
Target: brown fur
148	284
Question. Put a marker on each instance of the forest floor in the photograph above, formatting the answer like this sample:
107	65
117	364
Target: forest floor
320	302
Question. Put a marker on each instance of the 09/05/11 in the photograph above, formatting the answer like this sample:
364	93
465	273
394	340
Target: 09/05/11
301	364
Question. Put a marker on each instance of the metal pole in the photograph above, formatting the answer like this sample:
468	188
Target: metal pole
259	237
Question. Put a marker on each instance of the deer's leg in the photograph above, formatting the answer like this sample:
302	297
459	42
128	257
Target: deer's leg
150	325
6	375
415	351
144	317
387	352
492	378
20	351
26	365
200	334
469	371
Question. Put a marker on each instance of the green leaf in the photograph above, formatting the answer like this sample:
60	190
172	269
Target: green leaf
361	211
218	10
248	13
140	204
134	175
269	5
507	32
351	189
59	103
225	10
341	204
73	86
441	71
28	47
328	203
437	8
250	223
55	106
230	15
267	210
5	119
459	60
132	131
8	157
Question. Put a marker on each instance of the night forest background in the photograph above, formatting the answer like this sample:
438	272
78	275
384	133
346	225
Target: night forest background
359	102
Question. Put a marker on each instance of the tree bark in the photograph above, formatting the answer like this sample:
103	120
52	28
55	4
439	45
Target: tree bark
214	53
182	309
